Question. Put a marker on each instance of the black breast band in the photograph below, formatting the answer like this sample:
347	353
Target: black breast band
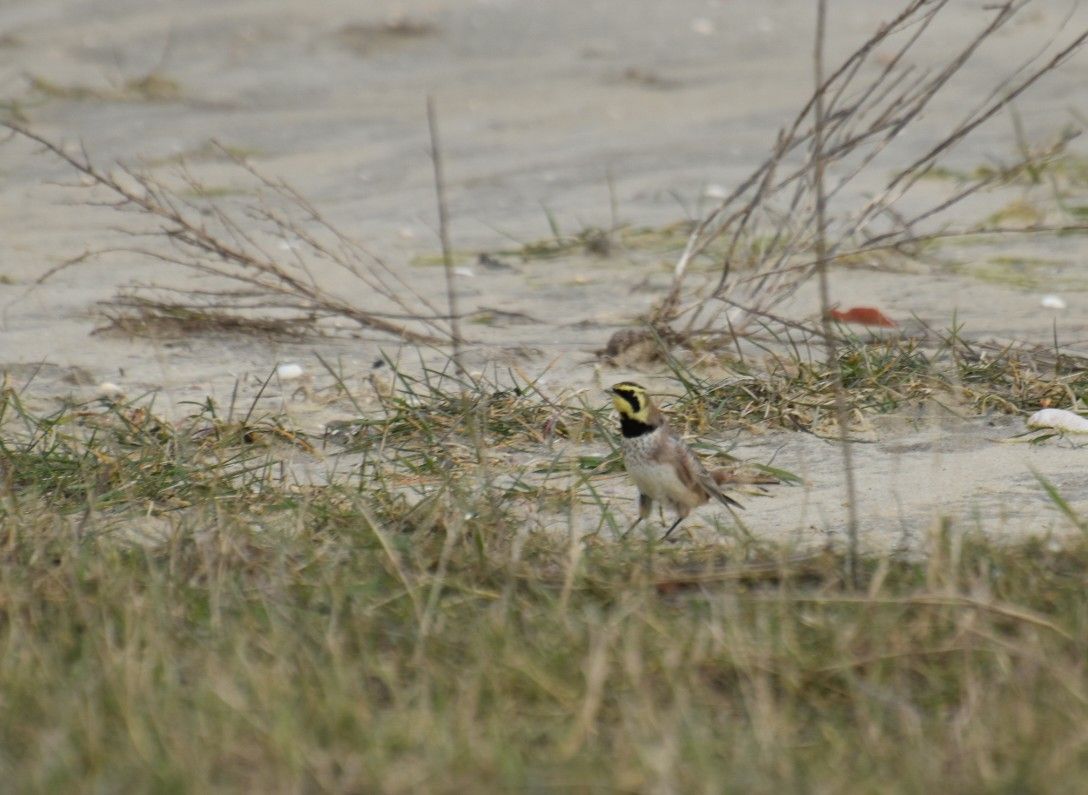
631	428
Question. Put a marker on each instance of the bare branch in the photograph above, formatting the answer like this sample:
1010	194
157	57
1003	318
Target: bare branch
207	239
763	235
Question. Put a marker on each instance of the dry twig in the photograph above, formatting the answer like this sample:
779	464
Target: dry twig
206	239
763	234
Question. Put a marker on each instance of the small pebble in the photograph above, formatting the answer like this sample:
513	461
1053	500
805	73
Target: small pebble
1059	420
289	372
110	391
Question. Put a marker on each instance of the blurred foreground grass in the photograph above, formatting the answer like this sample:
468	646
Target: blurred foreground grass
177	616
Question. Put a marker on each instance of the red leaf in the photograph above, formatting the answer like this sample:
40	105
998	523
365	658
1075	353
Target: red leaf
865	315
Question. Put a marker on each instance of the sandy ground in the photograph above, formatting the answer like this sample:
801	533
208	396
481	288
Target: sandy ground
541	105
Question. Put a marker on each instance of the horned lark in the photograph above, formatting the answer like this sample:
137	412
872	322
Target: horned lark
663	467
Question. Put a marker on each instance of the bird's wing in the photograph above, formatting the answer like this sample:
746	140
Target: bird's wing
694	475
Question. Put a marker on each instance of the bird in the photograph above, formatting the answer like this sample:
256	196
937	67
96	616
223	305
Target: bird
659	462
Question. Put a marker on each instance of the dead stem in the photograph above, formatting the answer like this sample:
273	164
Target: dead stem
444	234
210	241
830	343
768	223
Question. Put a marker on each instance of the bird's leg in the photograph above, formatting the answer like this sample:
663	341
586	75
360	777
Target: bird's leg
679	519
645	504
682	512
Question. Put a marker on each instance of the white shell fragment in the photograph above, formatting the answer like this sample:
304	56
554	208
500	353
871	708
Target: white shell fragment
110	391
1053	302
1058	420
289	371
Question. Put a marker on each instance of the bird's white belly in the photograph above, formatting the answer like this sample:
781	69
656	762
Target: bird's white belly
659	482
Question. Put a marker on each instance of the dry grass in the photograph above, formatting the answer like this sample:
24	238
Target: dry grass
151	87
180	612
177	614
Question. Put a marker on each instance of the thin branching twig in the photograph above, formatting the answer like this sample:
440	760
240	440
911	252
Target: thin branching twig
206	239
763	234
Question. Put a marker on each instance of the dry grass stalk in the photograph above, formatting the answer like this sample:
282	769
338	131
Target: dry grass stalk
841	411
768	223
204	238
444	232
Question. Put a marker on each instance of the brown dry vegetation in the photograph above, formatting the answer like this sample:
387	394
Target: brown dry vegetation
180	610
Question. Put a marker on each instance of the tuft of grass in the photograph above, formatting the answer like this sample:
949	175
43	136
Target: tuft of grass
110	456
208	151
211	192
589	241
881	375
137	316
152	87
365	38
1019	213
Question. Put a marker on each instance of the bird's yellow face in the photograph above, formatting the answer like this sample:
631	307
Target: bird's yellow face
631	401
